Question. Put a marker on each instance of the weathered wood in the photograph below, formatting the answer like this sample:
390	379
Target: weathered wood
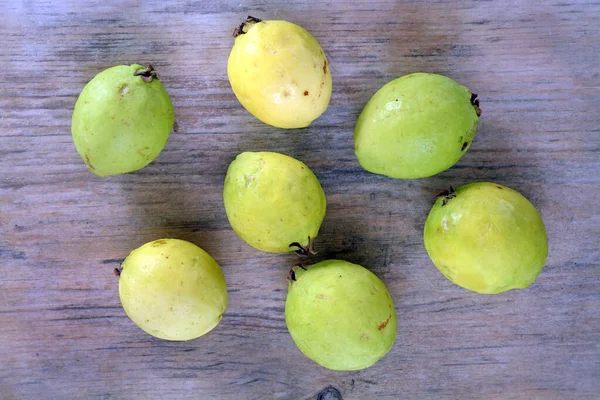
63	333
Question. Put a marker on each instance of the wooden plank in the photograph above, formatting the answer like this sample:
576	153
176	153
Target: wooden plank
63	333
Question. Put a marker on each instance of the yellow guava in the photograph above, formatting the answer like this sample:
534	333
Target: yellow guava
416	126
340	315
279	73
486	238
122	120
273	201
172	289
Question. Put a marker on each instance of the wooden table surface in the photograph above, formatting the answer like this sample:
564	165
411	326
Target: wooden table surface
63	332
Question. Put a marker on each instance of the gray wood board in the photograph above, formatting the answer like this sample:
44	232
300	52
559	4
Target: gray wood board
63	333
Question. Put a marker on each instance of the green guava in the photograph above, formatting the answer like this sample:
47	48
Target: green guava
172	289
273	201
279	73
486	238
122	120
416	126
340	315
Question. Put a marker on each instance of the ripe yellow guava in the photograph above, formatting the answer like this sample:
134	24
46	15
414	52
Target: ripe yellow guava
121	120
416	126
272	201
340	315
486	238
279	73
172	289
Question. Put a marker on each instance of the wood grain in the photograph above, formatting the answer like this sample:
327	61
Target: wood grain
63	333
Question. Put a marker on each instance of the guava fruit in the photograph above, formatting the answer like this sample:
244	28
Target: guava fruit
486	238
279	73
416	126
340	315
172	289
122	120
273	202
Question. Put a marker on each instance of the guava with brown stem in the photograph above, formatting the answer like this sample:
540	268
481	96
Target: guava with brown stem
486	237
279	73
122	120
273	202
340	315
416	126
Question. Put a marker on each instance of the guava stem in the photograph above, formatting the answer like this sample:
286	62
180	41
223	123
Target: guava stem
475	103
117	271
239	30
292	275
147	74
304	251
446	195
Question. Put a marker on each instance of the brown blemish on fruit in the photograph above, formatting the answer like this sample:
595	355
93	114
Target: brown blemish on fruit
499	187
286	93
142	152
384	323
126	123
364	336
88	162
306	92
464	146
325	66
159	242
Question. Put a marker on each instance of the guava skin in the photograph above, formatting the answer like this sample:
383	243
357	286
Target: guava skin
279	73
340	315
273	200
121	121
172	289
416	126
488	238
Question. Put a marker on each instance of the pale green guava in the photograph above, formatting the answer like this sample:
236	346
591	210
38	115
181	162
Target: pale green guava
416	126
172	289
279	73
340	315
272	201
122	120
487	238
